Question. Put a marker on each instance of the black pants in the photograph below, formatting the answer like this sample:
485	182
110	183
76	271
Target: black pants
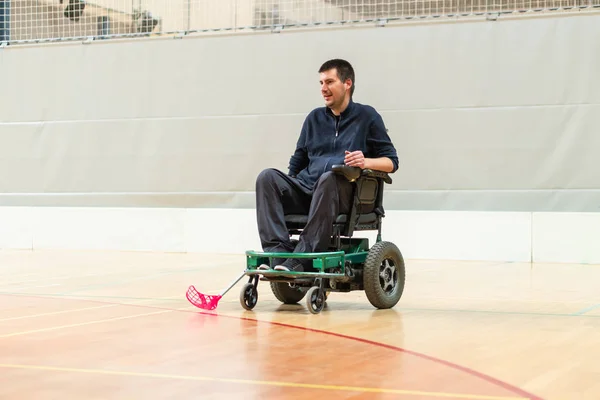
278	194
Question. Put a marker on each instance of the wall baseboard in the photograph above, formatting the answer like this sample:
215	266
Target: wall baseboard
447	235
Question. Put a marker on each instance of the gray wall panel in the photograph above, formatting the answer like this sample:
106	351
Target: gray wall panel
160	155
486	115
498	148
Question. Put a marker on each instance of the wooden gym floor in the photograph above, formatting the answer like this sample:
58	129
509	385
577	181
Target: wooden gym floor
116	325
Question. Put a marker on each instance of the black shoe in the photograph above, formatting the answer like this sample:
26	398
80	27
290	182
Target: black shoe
277	261
291	264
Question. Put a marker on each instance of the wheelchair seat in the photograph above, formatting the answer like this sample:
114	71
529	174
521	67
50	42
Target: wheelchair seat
367	206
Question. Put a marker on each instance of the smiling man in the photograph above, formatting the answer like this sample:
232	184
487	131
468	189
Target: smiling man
341	132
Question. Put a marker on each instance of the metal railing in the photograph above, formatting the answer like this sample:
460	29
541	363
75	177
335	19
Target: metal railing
25	21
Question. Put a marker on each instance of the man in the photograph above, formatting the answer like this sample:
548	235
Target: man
342	132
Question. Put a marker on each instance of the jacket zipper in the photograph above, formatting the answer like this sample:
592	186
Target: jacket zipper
337	128
337	125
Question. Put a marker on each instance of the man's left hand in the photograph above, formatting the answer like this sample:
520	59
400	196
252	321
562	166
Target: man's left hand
355	159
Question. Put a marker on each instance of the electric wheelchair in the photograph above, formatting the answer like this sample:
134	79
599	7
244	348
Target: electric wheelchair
348	265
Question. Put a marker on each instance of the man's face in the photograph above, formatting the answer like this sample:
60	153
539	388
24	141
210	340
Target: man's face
333	90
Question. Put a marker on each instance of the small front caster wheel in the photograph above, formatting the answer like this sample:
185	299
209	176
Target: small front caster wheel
249	296
315	299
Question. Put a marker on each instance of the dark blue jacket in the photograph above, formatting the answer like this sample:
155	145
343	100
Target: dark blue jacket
324	139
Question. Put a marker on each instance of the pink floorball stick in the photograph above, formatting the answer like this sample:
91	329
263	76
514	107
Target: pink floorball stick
208	301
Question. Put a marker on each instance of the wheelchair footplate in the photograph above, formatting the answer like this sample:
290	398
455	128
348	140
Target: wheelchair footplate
326	266
321	263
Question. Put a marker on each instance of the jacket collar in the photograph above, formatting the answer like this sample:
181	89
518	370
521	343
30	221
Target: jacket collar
345	113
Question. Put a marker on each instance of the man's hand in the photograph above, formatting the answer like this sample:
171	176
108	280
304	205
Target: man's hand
355	159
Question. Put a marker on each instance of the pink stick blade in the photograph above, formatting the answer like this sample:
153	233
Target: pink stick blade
203	301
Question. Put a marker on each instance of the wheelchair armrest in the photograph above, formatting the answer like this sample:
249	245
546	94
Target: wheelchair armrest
377	174
351	173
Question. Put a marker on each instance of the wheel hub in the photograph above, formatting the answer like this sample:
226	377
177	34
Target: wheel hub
318	300
388	276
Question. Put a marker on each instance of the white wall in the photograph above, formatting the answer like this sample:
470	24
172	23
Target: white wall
453	235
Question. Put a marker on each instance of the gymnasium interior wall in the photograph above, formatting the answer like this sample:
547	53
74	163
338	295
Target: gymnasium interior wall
154	145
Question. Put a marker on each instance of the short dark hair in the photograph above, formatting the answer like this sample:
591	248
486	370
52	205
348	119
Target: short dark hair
344	70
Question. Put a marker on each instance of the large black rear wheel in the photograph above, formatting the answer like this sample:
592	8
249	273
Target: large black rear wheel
384	275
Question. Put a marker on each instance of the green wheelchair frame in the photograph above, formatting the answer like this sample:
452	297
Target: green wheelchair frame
349	265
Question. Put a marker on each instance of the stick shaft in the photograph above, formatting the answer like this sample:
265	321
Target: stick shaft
232	284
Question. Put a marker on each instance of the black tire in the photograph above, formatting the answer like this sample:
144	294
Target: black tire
384	275
248	296
287	294
315	299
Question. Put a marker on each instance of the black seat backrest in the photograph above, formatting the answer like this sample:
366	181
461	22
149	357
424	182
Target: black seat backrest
367	189
367	203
